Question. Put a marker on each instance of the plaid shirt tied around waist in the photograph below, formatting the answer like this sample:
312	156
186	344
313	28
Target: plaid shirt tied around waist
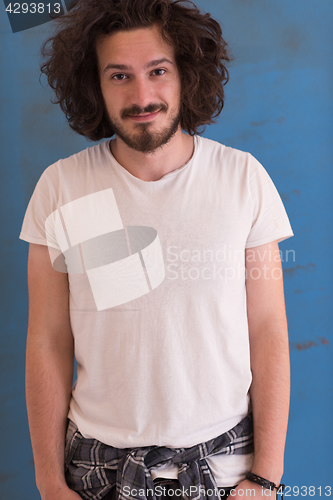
93	468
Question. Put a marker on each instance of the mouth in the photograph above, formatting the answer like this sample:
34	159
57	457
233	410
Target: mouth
144	118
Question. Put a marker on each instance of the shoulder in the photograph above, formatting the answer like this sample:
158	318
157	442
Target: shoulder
226	157
84	158
73	175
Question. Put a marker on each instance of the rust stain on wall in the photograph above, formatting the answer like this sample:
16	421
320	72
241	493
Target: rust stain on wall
303	346
291	271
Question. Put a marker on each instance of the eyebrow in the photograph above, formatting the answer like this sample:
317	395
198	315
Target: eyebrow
123	67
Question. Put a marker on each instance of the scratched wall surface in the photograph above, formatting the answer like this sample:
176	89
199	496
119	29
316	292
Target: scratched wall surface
279	107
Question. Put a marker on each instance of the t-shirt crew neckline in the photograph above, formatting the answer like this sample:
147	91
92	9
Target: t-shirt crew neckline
126	173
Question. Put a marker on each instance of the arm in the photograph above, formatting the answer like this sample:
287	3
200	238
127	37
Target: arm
270	388
269	351
49	372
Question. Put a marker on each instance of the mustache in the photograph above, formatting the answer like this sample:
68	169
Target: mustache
136	110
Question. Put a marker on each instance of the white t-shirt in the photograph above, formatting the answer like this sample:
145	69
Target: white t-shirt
157	292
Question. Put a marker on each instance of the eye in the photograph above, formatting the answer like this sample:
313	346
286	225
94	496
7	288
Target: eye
119	76
158	72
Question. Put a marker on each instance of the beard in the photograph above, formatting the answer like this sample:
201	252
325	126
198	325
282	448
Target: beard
143	139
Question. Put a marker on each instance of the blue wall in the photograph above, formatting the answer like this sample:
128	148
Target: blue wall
278	107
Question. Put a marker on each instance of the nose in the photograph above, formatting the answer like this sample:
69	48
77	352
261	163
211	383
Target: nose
141	92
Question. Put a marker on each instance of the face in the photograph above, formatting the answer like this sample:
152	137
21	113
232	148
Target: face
141	87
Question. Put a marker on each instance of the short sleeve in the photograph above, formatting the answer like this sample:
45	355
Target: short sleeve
269	218
38	224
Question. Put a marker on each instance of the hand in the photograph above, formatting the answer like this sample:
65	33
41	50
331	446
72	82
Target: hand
64	494
248	489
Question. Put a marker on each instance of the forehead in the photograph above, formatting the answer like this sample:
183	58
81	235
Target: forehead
133	46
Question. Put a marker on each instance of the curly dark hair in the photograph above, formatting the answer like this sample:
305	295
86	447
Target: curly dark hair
70	61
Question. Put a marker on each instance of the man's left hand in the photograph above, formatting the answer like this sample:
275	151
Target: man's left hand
248	489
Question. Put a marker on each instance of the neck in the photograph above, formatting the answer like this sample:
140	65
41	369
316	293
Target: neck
153	166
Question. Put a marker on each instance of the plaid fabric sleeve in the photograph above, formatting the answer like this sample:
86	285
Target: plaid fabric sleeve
94	468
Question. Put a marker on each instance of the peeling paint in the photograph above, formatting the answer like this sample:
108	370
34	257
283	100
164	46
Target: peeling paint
292	38
5	477
259	124
286	197
291	271
303	346
281	119
298	291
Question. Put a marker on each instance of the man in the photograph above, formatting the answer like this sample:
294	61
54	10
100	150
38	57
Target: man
154	257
